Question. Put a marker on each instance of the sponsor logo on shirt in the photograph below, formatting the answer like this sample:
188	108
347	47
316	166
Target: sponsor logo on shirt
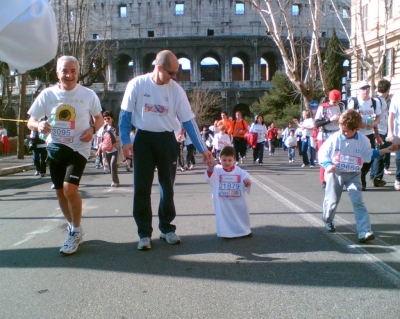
156	108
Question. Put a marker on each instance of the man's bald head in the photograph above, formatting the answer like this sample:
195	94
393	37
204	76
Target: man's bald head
165	58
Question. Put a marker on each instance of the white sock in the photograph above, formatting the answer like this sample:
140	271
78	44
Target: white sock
76	229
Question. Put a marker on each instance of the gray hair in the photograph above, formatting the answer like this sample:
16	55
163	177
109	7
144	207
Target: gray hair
67	58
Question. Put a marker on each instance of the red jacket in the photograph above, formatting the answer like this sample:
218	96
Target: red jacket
272	133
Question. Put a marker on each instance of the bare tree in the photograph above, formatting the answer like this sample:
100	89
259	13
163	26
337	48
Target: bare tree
358	44
205	104
297	50
93	55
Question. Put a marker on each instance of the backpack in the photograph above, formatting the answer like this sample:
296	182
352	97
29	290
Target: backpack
252	139
108	140
356	105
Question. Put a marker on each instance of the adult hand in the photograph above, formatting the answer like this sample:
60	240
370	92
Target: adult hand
87	135
208	158
44	127
378	139
389	137
128	150
335	117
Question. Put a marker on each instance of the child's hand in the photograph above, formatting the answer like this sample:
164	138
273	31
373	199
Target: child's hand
247	182
331	168
211	162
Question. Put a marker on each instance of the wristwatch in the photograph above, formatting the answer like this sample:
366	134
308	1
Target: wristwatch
94	129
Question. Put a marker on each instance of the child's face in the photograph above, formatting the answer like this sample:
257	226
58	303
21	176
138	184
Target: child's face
291	133
222	131
227	162
347	133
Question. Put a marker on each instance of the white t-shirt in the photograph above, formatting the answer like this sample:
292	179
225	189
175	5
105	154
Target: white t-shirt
348	155
395	109
221	140
4	132
326	112
155	107
366	111
308	123
72	110
260	129
383	123
231	212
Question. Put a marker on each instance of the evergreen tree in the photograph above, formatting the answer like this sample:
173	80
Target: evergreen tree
333	63
280	104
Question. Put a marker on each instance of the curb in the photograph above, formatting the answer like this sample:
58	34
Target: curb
16	169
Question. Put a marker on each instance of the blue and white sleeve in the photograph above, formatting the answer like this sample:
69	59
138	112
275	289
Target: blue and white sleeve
125	126
194	134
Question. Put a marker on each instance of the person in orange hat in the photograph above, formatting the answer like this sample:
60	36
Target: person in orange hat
326	119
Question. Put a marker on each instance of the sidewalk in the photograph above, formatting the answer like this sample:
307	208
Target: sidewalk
10	164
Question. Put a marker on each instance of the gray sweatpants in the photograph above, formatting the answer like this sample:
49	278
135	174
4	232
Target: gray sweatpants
333	193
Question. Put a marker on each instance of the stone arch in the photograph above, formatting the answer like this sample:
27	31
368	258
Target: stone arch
147	64
184	69
124	68
241	72
210	72
268	71
242	107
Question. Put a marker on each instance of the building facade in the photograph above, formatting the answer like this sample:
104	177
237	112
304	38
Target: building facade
382	43
221	44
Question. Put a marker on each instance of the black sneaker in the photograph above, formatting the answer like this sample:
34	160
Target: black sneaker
330	227
378	182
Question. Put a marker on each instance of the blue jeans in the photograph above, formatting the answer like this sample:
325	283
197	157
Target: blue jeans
258	152
154	149
39	159
291	153
398	165
379	164
304	146
333	193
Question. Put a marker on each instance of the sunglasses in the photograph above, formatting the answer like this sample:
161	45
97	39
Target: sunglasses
171	73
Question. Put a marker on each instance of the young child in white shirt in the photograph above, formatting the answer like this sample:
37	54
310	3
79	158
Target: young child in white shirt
342	155
220	140
291	142
228	185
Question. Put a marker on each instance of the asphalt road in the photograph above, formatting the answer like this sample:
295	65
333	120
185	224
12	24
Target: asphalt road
290	268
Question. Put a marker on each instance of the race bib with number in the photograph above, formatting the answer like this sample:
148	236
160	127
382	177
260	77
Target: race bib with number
348	163
229	186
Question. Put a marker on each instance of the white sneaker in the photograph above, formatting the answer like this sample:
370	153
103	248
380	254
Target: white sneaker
144	243
114	184
397	185
170	238
387	172
72	243
366	236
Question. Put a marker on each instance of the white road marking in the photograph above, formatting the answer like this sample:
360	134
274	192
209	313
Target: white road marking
380	266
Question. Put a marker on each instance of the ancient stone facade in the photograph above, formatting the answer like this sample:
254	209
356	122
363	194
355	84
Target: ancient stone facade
231	33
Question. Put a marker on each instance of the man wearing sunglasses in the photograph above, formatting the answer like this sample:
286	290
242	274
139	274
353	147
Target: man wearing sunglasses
152	103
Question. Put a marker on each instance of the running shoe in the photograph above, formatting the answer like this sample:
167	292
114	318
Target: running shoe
144	243
366	236
72	243
170	238
378	182
397	185
330	227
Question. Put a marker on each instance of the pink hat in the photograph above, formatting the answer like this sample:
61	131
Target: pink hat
335	95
